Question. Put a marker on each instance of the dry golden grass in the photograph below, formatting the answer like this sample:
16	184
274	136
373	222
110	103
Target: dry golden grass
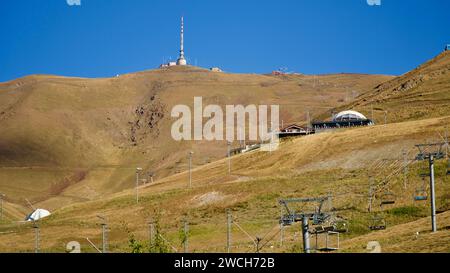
54	127
258	180
419	94
51	127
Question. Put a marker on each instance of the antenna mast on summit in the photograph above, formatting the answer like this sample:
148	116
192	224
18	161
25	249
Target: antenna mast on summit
182	60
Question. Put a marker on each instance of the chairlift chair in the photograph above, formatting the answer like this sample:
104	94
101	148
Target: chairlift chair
287	220
317	230
424	171
328	247
421	193
377	223
340	226
388	198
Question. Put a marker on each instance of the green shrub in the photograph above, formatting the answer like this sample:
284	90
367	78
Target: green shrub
406	211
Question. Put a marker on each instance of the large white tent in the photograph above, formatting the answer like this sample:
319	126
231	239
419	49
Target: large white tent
349	115
37	214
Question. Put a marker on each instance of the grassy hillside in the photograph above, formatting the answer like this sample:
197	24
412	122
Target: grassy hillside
312	166
66	140
72	145
419	94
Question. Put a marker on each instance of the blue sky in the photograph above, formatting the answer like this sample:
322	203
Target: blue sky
102	38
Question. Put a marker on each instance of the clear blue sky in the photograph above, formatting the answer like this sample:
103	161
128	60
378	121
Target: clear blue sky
103	38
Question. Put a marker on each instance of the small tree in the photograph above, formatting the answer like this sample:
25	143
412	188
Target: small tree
135	245
158	244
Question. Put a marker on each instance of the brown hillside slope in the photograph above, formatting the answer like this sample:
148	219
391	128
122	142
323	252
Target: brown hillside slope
79	139
421	93
336	162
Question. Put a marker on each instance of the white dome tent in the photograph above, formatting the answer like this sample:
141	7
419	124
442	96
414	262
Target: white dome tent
344	119
349	116
37	215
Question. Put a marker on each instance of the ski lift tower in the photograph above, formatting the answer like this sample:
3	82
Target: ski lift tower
317	216
431	152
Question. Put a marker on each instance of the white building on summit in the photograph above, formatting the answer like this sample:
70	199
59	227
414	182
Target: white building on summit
181	59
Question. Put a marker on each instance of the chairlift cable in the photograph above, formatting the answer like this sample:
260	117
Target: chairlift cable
245	232
174	248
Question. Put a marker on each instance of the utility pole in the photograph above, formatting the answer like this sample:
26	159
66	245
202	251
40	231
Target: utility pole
229	156
371	111
138	170
370	193
186	232
229	223
104	238
151	232
241	139
447	147
433	201
190	168
1	206
446	142
104	234
308	120
36	237
281	227
405	169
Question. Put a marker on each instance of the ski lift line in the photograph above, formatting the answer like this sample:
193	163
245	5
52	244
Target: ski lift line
384	165
167	242
376	165
270	239
401	166
29	204
386	180
93	245
394	172
277	227
380	173
395	163
400	169
445	139
246	233
381	162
